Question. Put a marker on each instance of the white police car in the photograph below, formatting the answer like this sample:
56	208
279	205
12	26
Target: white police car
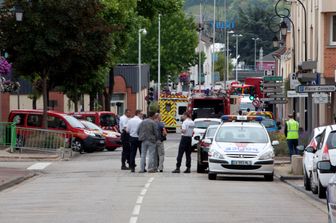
241	148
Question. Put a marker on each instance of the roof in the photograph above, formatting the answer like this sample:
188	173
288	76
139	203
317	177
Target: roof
207	119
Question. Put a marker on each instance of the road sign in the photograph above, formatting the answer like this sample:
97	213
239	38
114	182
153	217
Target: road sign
272	78
293	94
273	90
266	99
315	88
278	102
276	96
275	84
321	98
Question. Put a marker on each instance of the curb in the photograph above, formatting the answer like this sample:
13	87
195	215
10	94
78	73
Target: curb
16	181
286	180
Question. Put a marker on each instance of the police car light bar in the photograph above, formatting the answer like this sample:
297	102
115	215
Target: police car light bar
241	118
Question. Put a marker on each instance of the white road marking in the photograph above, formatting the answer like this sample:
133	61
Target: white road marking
38	166
133	220
139	200
136	209
143	191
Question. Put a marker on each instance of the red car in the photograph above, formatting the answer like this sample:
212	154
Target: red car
112	138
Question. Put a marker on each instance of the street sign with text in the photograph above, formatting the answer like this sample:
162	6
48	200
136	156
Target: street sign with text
274	84
294	94
276	96
315	88
278	102
272	78
273	90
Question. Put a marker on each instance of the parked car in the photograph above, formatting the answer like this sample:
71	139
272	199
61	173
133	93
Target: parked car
308	155
201	124
242	148
203	148
83	139
104	119
326	151
112	139
325	166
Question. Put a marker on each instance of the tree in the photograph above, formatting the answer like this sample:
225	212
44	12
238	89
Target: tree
220	66
178	43
56	40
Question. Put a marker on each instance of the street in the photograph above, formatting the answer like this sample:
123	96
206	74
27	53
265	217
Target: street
92	188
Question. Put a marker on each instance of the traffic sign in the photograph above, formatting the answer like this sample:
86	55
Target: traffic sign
276	96
266	99
315	88
272	78
320	98
273	90
294	94
278	102
273	84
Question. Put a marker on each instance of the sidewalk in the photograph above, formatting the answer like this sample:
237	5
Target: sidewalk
12	176
6	155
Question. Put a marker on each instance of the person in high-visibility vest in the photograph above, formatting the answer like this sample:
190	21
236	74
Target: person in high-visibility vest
292	135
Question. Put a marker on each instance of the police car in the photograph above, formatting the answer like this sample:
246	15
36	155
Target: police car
241	146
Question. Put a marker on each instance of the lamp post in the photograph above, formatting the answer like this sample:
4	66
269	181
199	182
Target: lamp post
255	52
237	36
227	54
140	32
159	58
18	16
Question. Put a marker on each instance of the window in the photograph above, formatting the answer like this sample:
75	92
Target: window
333	30
19	119
56	123
34	120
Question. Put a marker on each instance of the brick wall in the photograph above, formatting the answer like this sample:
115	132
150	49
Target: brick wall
329	51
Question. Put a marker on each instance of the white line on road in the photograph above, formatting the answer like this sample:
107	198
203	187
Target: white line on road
133	220
139	200
143	191
137	207
38	166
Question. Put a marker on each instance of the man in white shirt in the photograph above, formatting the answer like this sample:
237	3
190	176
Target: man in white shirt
125	155
132	129
185	143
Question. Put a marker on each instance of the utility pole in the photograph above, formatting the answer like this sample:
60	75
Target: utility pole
159	59
255	52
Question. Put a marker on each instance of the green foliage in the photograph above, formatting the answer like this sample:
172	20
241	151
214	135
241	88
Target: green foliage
282	148
154	106
178	43
220	66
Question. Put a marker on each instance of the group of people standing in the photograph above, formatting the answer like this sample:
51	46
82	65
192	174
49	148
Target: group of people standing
146	135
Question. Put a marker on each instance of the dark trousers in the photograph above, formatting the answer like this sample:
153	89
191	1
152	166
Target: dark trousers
125	154
135	144
184	147
292	144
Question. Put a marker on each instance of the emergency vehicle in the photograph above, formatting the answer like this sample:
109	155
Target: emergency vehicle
240	98
172	107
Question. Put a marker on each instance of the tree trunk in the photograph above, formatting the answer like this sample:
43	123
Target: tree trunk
92	100
100	101
45	101
34	102
76	105
107	101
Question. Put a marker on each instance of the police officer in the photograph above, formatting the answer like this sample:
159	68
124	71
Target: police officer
292	135
185	143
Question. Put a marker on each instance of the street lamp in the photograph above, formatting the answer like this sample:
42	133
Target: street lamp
227	54
255	52
140	32
159	58
237	36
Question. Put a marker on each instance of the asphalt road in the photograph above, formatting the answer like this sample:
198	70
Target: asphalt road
92	188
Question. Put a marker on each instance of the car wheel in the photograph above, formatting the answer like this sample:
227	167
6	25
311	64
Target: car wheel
77	145
200	168
321	191
306	180
212	176
269	177
313	187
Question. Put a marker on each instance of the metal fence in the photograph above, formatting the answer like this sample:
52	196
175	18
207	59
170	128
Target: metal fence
7	134
43	140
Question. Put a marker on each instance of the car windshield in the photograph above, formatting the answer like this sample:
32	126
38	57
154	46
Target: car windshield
268	123
91	125
210	132
205	123
74	122
243	134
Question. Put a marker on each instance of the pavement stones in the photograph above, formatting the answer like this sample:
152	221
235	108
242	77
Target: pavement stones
12	176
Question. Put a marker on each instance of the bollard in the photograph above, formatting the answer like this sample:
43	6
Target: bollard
296	165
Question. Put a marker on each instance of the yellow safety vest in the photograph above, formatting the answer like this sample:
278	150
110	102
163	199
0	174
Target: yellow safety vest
292	129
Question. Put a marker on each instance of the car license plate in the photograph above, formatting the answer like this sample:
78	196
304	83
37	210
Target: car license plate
101	141
241	162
